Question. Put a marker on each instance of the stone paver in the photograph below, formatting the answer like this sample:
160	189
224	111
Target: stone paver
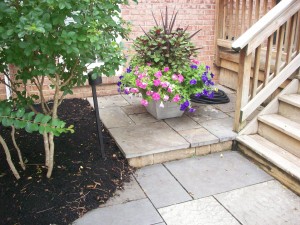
142	118
131	192
227	107
109	101
206	112
160	186
134	109
222	128
198	137
216	173
268	203
132	100
182	123
115	117
206	211
140	212
145	139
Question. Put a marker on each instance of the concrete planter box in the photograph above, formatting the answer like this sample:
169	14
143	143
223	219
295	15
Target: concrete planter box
170	110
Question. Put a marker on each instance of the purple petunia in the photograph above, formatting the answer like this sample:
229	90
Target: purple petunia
184	105
193	81
194	66
121	77
119	83
191	110
129	69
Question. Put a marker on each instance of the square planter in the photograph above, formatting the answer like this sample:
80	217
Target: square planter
171	109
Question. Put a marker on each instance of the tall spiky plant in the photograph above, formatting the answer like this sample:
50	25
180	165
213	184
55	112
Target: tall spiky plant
163	45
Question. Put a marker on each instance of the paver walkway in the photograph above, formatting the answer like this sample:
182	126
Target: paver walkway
145	140
217	189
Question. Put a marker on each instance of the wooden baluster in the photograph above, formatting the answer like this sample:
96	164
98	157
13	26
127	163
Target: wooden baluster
242	95
237	19
298	35
256	71
225	5
280	36
257	6
231	25
250	13
268	59
286	35
243	16
291	31
265	7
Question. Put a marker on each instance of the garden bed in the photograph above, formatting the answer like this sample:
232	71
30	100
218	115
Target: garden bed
82	180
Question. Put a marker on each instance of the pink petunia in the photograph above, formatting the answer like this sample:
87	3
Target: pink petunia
170	90
149	93
165	84
158	74
176	98
166	98
197	62
149	64
180	78
134	90
156	82
166	69
143	85
144	102
155	96
174	77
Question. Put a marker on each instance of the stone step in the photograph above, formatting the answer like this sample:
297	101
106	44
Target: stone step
289	106
281	131
273	154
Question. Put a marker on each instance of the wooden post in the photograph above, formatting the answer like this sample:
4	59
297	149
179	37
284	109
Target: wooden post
242	95
219	28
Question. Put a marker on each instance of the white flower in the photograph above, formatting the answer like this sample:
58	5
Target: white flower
161	105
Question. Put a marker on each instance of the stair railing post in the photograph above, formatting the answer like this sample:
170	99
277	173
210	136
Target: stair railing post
242	96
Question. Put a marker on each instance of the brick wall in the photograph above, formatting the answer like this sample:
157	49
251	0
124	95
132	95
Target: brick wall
198	14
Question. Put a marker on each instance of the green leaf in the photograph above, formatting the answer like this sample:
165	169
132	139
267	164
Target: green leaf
46	119
38	118
20	112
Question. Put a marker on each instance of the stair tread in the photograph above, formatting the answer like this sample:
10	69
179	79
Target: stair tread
292	99
273	153
283	124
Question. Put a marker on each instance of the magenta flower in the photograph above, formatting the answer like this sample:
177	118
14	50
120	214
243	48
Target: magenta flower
158	74
166	98
156	82
144	102
155	96
174	77
149	64
180	78
176	98
197	62
143	85
166	69
138	82
134	90
165	84
170	90
149	93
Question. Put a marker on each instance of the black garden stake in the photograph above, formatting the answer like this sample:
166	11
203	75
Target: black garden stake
93	84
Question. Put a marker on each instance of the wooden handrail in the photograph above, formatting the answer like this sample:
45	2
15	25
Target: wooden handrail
267	25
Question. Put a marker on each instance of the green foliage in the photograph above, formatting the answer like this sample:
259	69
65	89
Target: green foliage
50	37
162	46
30	121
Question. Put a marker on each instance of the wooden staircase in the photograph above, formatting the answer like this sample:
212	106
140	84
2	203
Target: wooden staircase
273	138
261	58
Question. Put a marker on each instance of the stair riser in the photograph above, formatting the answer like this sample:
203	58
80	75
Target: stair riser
289	111
279	138
270	168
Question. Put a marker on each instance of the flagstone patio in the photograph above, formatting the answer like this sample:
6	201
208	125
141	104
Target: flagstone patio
145	140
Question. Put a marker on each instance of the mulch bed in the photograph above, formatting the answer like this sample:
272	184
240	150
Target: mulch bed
82	180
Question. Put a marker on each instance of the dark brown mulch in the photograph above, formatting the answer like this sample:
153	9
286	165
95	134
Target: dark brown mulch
81	180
